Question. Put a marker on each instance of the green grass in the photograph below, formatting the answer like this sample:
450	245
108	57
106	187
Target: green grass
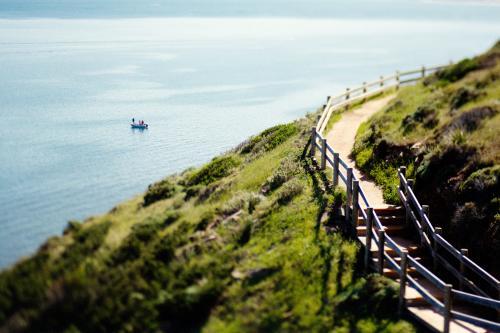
229	257
444	130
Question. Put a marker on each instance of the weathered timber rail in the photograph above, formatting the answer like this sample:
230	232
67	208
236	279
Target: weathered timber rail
369	89
475	305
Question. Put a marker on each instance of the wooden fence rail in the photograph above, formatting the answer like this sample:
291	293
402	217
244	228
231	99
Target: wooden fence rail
356	201
367	90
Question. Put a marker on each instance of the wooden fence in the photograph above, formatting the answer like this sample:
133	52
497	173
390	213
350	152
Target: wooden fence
369	89
476	286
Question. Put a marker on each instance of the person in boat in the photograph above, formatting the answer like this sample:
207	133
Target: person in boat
133	120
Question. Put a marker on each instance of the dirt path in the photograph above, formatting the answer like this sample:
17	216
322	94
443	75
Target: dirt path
341	139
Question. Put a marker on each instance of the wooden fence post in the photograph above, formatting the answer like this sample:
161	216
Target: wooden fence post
402	280
381	81
426	210
368	245
355	201
381	240
423	71
402	171
313	142
409	183
464	252
397	80
438	231
447	308
347	93
348	194
323	154
335	169
364	88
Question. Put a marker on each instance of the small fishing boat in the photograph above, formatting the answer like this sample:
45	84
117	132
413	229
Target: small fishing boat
139	126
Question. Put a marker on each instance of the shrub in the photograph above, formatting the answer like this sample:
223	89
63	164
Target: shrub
206	218
425	115
86	242
144	232
165	249
72	226
129	250
375	296
240	201
193	191
218	168
482	183
461	97
170	218
269	139
23	286
470	120
290	190
457	71
132	246
245	232
288	168
162	190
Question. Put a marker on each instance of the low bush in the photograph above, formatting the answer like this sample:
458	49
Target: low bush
205	220
461	97
379	295
193	191
240	201
470	120
289	190
72	226
288	168
131	247
483	183
165	249
269	139
85	242
425	115
457	71
158	191
170	217
218	168
24	287
244	233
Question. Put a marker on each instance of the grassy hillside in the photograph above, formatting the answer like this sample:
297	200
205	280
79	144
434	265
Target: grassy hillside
445	130
238	245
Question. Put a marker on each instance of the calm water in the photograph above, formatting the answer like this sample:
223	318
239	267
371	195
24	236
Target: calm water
205	76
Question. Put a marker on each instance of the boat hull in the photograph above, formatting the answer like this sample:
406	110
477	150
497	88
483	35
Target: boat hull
139	126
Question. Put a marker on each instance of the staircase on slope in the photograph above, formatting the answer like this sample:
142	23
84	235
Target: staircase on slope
396	226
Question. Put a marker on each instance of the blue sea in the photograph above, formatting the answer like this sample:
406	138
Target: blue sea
204	74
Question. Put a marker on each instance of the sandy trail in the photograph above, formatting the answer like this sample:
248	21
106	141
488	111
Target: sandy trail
341	139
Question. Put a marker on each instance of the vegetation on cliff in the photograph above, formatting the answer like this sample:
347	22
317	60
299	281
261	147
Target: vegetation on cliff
445	130
237	245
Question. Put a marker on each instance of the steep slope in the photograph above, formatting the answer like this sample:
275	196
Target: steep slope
445	130
236	245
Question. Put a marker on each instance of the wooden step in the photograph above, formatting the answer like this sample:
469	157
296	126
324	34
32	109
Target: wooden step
396	259
413	297
393	274
389	230
391	211
433	320
386	220
413	250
